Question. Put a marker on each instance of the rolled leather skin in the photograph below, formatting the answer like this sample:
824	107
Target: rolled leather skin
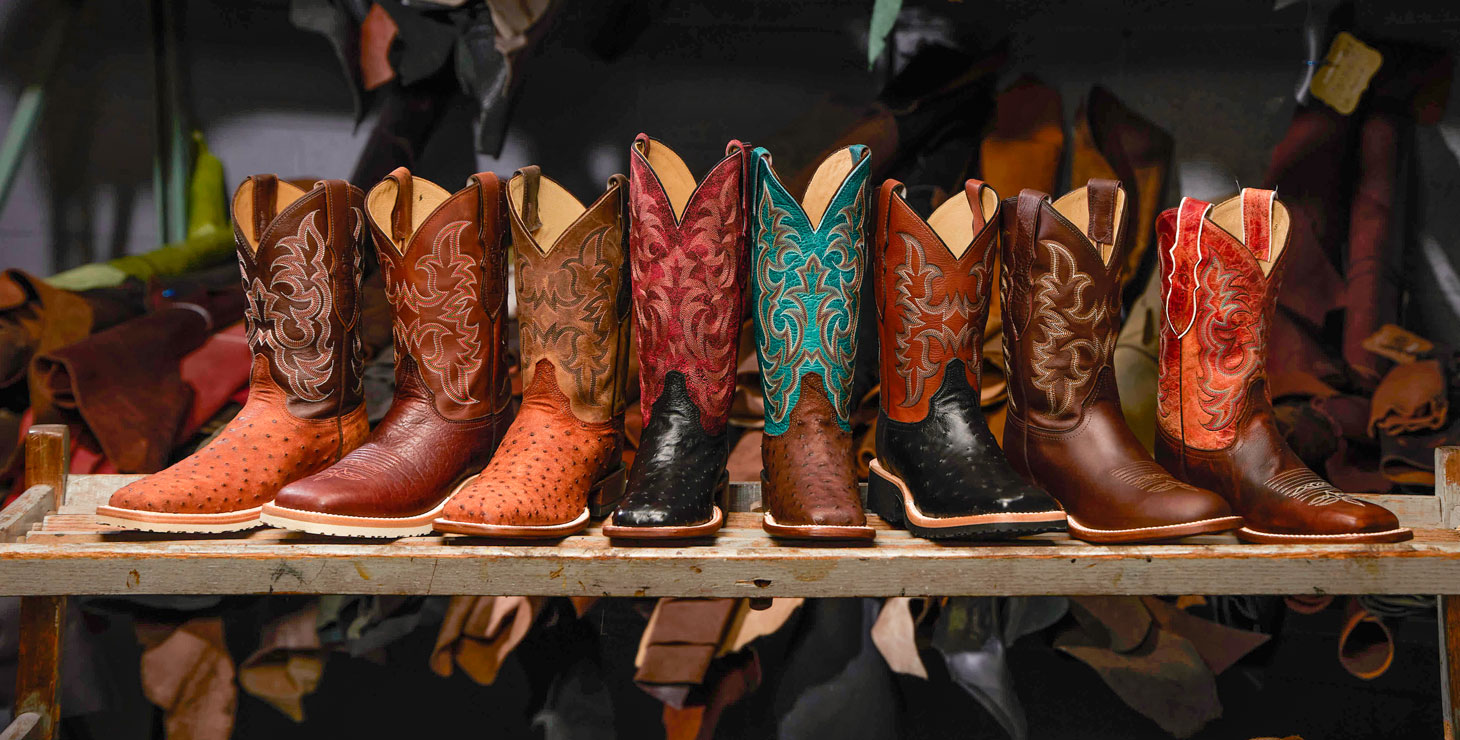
1221	266
687	247
1066	432
939	471
445	276
561	460
300	258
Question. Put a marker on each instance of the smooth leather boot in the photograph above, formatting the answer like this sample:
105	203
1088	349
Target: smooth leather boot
806	292
445	276
561	460
299	253
1221	266
1065	431
687	247
938	471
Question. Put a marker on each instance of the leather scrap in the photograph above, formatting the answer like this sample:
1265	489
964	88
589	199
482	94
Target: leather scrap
479	632
187	672
1412	397
288	664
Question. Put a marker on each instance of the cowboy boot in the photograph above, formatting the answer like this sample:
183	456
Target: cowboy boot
687	248
300	257
1215	417
939	472
561	460
808	259
446	276
1065	431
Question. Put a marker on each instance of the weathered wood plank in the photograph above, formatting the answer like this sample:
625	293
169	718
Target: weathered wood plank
38	674
21	727
26	511
1449	618
1447	485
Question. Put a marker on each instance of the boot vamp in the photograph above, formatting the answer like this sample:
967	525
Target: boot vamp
808	476
678	467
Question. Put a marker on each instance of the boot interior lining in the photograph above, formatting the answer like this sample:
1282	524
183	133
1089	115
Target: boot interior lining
1075	206
556	208
427	197
1227	215
953	220
285	193
679	183
825	184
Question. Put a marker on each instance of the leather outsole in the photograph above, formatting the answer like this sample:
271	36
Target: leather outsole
515	531
673	532
162	521
1400	534
816	531
890	497
1153	534
340	525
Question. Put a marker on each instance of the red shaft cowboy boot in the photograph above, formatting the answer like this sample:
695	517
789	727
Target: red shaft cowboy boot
300	257
446	276
1220	269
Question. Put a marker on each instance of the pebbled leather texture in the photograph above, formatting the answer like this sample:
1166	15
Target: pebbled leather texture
677	468
1065	431
446	285
808	478
261	450
1216	423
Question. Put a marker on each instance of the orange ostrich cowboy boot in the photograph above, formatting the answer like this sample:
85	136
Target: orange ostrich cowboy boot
300	257
1220	270
938	471
1065	431
446	276
561	460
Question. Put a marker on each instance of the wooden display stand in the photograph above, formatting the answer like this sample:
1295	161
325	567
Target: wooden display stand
52	546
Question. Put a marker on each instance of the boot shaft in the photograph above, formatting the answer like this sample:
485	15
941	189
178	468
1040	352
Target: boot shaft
299	254
572	290
1060	283
933	283
1220	270
808	268
446	276
688	249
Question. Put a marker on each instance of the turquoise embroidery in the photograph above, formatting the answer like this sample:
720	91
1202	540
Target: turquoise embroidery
806	291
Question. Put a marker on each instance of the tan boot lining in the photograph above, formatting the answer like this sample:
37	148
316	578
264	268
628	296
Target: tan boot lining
381	201
1227	216
1075	206
953	221
557	208
673	173
825	184
285	194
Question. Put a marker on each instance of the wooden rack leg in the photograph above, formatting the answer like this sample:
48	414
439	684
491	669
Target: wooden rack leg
38	677
1449	662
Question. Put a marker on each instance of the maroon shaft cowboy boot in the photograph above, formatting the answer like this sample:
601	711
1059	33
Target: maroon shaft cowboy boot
1216	425
446	276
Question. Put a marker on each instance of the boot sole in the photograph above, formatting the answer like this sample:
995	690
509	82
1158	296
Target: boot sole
890	497
1247	534
1152	534
602	499
161	521
677	531
340	525
816	531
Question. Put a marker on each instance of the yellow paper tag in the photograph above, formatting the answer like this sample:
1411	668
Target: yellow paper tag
1345	73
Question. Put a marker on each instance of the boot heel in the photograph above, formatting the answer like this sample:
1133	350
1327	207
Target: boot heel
603	498
884	497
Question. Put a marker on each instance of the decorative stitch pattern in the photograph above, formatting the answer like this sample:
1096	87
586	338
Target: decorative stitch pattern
1229	333
568	311
1304	486
290	314
936	318
443	332
1064	363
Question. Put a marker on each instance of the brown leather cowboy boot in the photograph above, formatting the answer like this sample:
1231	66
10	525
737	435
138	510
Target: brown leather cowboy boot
561	460
688	250
1065	432
300	257
446	277
1216	426
939	471
808	269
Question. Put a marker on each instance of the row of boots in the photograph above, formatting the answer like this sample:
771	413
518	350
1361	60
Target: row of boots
673	255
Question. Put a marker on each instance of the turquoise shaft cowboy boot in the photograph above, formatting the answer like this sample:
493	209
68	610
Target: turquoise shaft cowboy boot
808	264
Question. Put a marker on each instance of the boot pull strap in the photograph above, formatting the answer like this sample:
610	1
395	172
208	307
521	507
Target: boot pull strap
1180	283
338	238
890	189
1103	195
974	190
265	192
488	188
400	213
1027	212
1257	221
531	178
